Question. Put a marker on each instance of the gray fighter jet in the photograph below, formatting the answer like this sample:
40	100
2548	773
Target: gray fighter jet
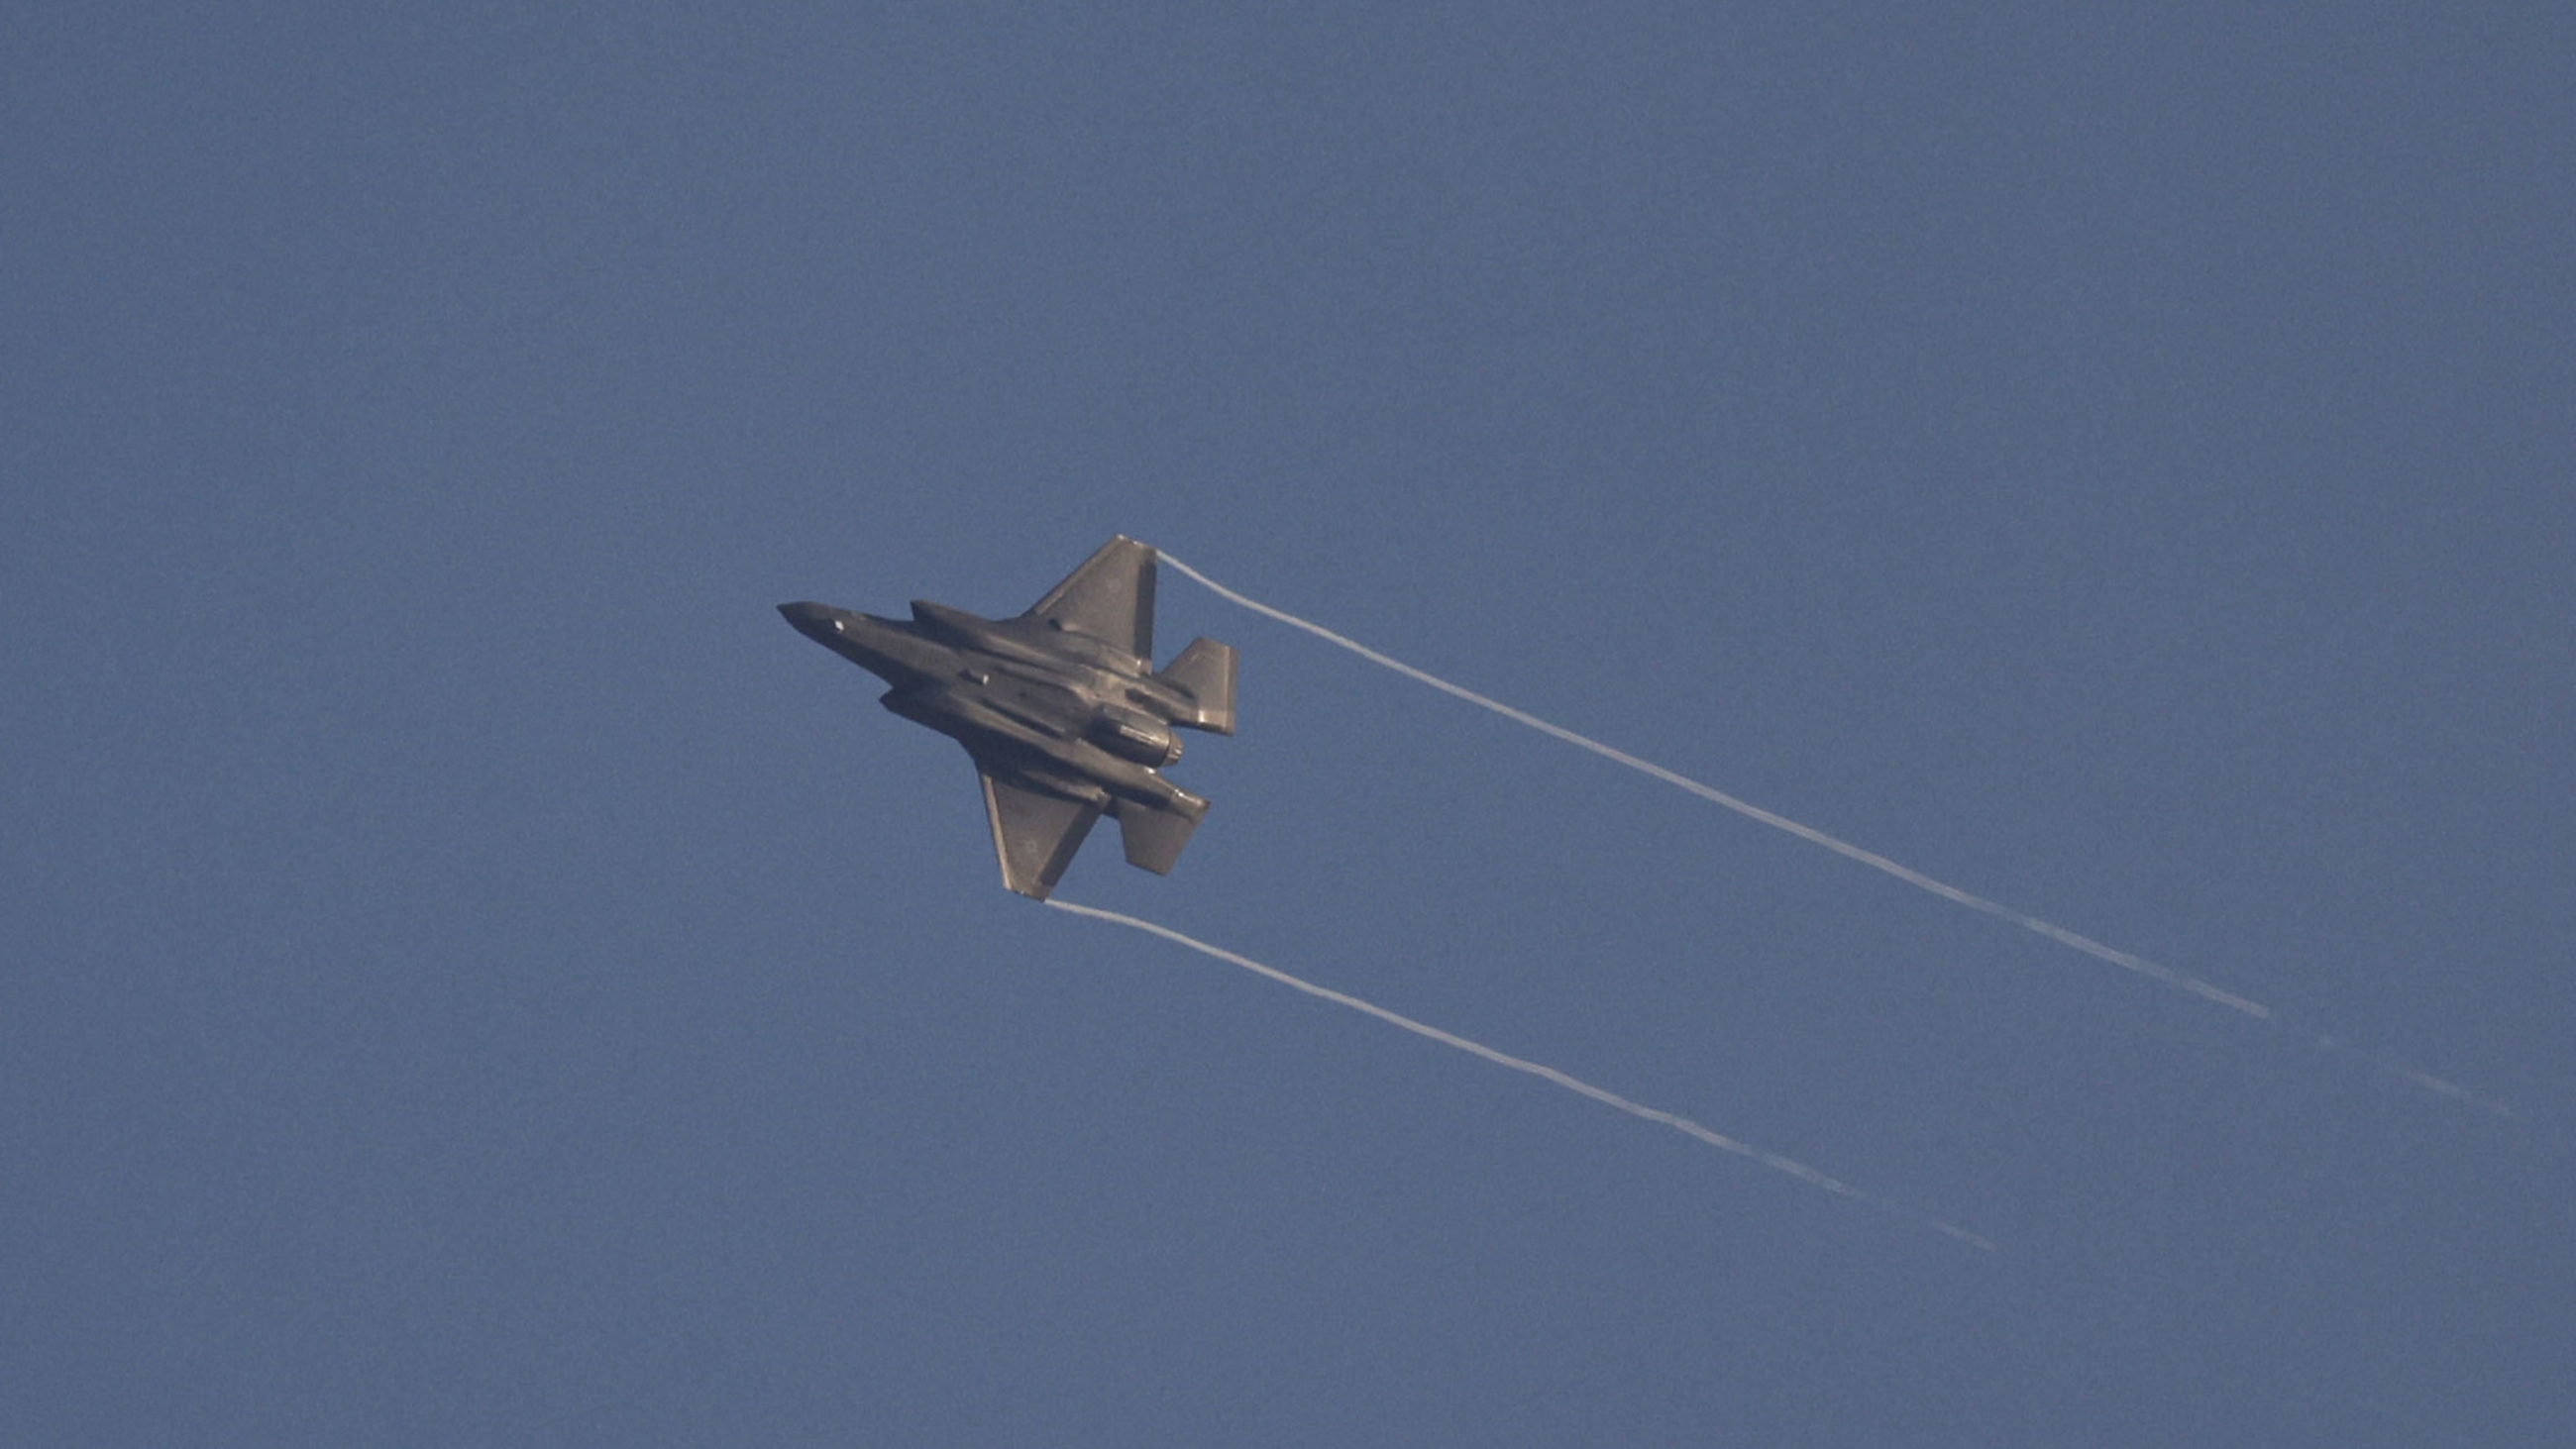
1062	708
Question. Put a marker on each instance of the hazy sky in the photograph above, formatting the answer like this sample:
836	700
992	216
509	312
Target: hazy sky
469	974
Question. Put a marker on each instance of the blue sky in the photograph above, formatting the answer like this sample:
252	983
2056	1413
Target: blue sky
469	974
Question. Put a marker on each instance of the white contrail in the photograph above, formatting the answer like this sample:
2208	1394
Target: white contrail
1772	1160
2129	961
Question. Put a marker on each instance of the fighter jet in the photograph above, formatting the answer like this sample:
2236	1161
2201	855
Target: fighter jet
1062	709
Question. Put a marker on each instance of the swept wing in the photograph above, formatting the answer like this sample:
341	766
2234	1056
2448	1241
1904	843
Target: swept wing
1035	834
1110	598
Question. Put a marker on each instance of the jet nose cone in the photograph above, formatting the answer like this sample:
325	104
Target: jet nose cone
809	619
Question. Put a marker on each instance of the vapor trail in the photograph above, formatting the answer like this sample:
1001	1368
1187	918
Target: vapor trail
1772	1160
2180	981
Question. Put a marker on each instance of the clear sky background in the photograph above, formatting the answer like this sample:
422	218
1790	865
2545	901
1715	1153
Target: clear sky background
470	974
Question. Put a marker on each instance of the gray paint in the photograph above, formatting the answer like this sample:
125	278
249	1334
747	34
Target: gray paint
468	976
1061	708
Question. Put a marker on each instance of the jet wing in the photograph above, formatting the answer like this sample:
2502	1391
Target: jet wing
1110	598
1035	834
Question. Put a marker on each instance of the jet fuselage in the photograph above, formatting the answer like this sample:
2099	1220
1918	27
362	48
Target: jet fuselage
1061	708
1073	715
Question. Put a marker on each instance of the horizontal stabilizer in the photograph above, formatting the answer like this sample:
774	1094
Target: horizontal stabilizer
1154	837
1206	670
